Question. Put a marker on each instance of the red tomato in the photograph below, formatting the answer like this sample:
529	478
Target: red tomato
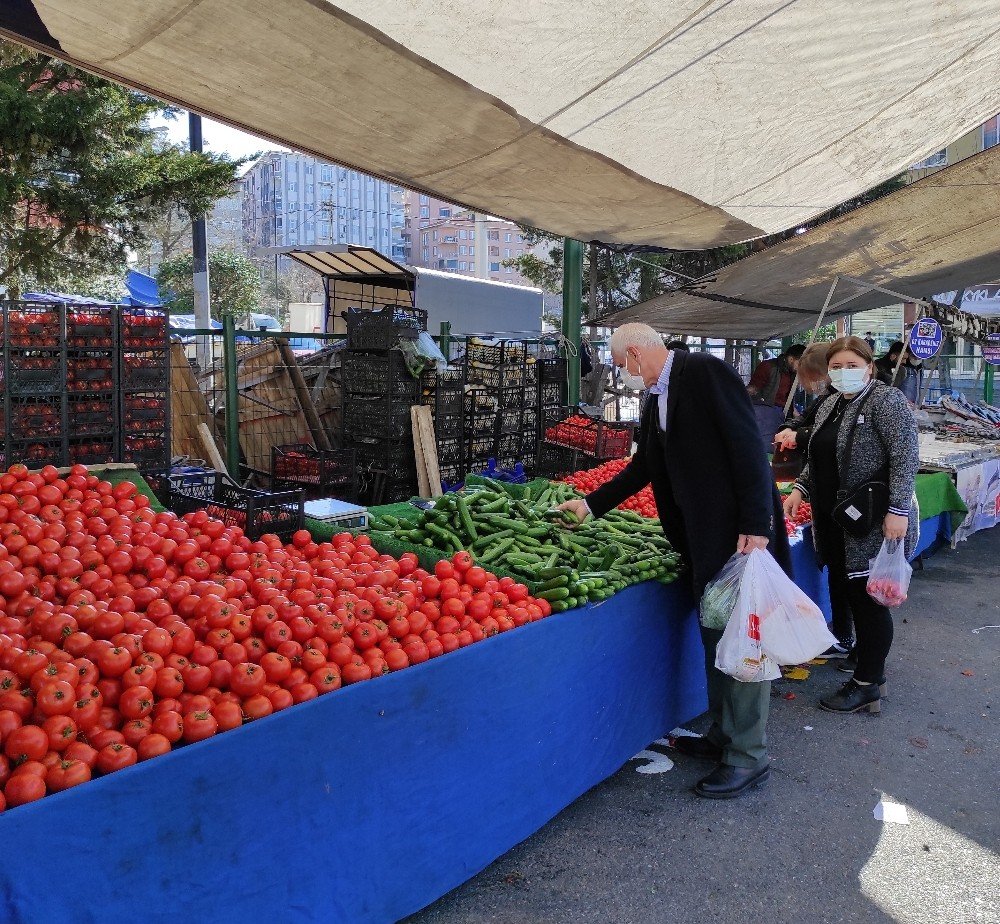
199	725
116	756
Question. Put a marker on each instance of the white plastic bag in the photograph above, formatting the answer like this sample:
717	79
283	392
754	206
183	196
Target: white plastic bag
889	574
773	623
720	596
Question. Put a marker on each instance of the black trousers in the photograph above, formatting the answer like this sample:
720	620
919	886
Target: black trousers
850	603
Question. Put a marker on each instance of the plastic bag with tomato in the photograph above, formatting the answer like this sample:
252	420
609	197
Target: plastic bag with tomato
774	622
889	574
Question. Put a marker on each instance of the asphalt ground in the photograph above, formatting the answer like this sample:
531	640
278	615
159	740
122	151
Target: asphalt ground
641	847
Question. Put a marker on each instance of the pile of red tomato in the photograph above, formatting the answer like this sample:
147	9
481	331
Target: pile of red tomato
125	632
802	518
598	437
642	503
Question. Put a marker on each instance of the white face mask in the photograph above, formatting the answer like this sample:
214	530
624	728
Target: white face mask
848	381
631	379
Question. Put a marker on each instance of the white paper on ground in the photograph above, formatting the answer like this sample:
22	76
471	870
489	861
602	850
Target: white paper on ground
679	733
658	763
891	812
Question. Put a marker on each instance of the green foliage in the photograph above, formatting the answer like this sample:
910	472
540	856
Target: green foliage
233	281
82	175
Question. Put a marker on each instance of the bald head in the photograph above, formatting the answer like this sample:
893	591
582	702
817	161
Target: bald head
639	349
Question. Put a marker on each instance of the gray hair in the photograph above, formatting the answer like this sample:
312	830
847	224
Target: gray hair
634	334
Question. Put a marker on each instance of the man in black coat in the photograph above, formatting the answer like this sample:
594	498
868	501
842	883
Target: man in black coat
699	447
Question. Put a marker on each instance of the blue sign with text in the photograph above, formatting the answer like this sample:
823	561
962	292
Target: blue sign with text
925	338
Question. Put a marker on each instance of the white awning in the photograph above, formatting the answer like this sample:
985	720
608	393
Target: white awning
937	235
686	124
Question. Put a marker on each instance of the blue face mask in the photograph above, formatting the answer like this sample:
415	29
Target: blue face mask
848	381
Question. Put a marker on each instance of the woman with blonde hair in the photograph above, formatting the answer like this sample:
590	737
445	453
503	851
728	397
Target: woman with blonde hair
861	464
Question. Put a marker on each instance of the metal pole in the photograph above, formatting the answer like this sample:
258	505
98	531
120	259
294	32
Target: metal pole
232	396
592	310
812	338
446	340
572	304
988	375
199	250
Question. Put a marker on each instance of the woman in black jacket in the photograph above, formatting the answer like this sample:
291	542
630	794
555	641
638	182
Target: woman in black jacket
813	380
884	446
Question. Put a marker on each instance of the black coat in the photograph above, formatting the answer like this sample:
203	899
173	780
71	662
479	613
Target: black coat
711	481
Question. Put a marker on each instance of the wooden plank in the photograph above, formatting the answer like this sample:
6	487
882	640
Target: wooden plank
320	439
427	460
211	451
423	485
188	407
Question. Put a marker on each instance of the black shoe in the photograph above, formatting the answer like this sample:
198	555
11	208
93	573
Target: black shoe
696	747
852	697
837	650
726	782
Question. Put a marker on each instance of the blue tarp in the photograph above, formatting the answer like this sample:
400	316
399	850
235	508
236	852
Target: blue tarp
142	289
369	803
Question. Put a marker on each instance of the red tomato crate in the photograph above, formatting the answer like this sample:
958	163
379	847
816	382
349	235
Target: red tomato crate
602	439
320	472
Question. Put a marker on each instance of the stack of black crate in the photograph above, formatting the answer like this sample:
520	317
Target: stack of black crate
501	420
444	392
551	461
377	393
70	377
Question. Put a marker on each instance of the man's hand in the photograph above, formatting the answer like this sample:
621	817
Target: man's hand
786	439
895	526
791	503
746	544
578	508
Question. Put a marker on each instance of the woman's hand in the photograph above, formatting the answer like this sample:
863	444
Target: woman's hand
786	439
895	526
791	503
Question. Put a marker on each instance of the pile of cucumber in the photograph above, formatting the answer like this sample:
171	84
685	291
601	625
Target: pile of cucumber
531	541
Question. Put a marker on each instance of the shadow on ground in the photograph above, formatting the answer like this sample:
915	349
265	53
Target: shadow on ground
642	848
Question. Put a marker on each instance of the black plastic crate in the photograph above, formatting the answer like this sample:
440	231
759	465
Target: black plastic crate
38	417
451	475
33	326
448	424
499	352
480	421
382	328
320	472
511	420
502	376
530	421
598	438
480	447
381	454
35	372
449	450
37	452
378	374
91	416
92	451
257	513
148	410
90	374
146	449
383	416
556	462
552	369
142	331
90	327
146	370
552	394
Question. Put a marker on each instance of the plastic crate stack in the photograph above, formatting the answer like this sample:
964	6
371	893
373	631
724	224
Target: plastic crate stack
316	472
501	399
572	441
444	392
66	372
378	392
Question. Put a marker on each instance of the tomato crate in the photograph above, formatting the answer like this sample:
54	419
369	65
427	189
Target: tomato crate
91	451
320	472
257	513
378	374
33	326
35	372
89	374
36	452
598	438
90	327
146	370
91	416
382	328
139	330
146	449
383	416
144	411
36	417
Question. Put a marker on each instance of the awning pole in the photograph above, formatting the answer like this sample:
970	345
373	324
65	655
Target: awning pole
572	303
812	338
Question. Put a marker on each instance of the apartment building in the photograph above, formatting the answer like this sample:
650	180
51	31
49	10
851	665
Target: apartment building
443	236
291	198
979	139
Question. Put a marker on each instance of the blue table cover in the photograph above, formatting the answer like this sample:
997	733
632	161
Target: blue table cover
934	532
367	804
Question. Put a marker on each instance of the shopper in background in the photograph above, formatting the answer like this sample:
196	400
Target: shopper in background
814	382
870	340
910	375
769	387
698	445
883	447
679	345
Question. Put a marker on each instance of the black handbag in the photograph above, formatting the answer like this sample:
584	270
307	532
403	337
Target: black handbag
860	511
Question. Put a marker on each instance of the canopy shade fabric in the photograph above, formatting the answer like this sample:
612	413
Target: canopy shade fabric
941	233
347	262
685	124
